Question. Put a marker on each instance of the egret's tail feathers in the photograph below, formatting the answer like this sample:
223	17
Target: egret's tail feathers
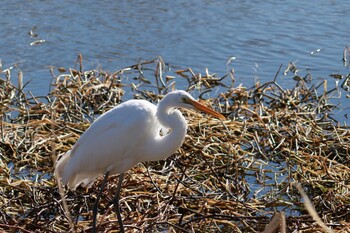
60	167
65	172
82	179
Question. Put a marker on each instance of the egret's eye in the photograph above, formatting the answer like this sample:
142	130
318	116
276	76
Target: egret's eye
185	100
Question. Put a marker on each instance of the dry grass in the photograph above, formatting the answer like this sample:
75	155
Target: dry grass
228	176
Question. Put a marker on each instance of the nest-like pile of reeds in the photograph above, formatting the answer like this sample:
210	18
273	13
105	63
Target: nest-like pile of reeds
229	176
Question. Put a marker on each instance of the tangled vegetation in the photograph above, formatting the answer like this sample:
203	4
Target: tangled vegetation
229	176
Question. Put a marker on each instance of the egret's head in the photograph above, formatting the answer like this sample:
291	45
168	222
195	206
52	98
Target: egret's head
182	99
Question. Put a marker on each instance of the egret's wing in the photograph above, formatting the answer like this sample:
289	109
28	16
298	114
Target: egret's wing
112	143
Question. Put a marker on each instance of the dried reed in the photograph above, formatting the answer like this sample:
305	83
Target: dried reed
228	177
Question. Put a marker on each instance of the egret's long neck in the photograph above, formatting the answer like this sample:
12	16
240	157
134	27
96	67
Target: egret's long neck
173	120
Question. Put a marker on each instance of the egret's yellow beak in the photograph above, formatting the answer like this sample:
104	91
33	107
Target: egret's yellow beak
205	109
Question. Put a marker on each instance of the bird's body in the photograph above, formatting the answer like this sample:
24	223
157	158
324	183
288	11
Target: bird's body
126	135
110	144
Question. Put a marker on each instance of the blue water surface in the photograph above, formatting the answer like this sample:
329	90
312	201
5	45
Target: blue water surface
258	36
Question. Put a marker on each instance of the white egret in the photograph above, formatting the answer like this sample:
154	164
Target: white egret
124	136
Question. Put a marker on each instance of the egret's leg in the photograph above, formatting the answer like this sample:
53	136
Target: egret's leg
116	203
94	210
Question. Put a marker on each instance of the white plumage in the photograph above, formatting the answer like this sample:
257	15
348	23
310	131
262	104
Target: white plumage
126	135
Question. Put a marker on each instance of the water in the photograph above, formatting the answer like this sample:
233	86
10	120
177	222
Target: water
260	35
